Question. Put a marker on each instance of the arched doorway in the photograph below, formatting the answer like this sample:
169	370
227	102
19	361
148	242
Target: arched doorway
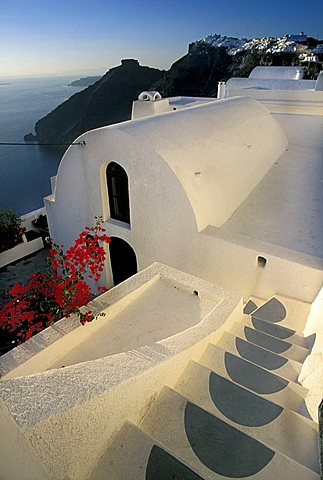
123	260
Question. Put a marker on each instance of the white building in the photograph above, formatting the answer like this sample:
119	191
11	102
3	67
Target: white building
199	184
228	191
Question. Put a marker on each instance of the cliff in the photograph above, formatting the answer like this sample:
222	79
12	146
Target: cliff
197	73
108	101
200	70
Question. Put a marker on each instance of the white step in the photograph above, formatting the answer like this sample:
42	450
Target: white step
133	455
277	364
256	379
276	427
212	447
275	330
275	345
284	311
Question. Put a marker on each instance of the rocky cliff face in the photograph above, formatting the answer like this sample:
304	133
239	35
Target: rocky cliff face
196	74
107	101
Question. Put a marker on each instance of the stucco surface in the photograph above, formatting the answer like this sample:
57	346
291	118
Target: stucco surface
212	187
17	459
182	102
287	73
205	442
253	414
155	193
160	299
159	312
286	206
61	411
142	108
270	84
311	375
291	101
218	151
235	266
189	168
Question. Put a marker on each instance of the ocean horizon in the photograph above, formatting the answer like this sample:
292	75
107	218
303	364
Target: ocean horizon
25	170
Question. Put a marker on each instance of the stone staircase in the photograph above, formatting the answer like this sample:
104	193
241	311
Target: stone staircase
238	412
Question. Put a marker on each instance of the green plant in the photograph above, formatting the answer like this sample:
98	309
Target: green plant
11	231
311	70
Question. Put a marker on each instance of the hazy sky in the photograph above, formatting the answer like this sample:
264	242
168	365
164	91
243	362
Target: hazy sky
89	36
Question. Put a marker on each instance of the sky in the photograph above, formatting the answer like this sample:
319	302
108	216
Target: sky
62	37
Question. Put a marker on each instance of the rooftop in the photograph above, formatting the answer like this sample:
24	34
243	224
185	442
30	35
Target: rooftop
286	207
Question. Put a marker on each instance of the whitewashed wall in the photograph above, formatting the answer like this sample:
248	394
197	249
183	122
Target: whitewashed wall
186	170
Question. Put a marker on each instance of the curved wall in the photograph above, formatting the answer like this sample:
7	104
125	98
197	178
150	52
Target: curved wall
219	151
287	73
276	84
161	216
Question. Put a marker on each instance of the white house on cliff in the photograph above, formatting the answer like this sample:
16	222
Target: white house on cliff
207	188
209	362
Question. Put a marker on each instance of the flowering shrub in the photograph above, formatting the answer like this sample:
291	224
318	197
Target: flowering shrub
58	292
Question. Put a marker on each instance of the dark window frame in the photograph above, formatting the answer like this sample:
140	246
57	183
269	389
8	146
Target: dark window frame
118	192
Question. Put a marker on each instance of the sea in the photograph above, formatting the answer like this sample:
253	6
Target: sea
25	170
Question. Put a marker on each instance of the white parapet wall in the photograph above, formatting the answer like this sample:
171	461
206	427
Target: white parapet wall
291	273
277	73
20	251
311	375
305	102
69	415
28	218
24	248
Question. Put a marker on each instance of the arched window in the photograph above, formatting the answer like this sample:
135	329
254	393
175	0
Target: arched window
118	192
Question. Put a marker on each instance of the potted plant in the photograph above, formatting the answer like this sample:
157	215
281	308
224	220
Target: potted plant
11	231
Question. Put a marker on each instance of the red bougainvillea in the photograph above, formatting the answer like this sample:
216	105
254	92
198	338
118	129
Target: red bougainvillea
58	292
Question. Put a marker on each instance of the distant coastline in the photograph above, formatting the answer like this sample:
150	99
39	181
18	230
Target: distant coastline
2	84
84	82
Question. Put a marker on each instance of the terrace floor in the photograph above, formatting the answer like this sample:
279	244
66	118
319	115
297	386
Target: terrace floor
286	207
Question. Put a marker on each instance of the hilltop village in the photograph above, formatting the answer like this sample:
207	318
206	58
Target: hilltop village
305	46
